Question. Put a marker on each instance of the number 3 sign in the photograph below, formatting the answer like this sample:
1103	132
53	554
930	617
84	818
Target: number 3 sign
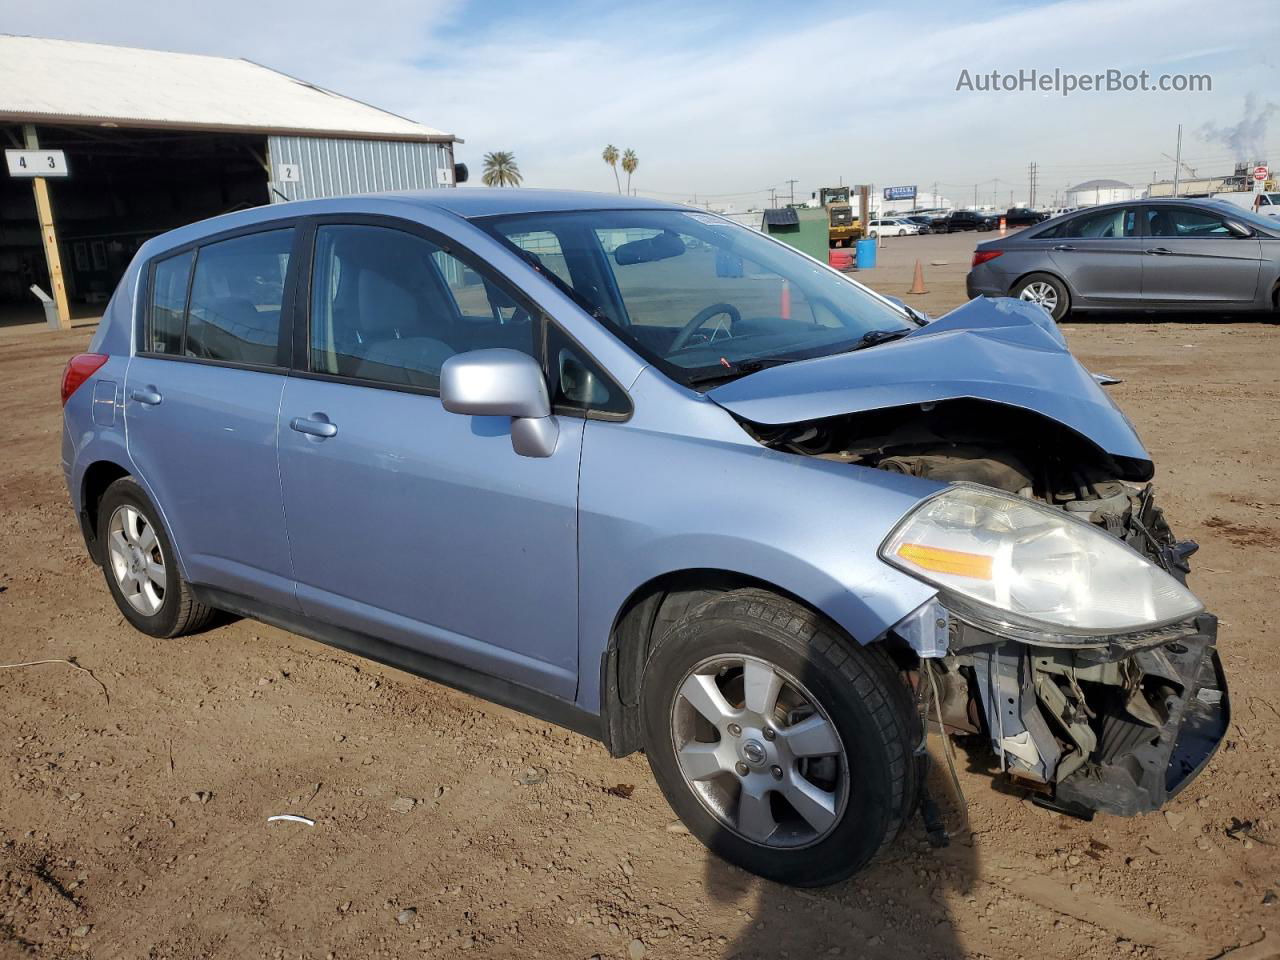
36	163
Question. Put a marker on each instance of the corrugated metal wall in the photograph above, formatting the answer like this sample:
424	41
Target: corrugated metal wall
329	167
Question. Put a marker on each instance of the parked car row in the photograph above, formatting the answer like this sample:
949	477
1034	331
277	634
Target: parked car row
1138	255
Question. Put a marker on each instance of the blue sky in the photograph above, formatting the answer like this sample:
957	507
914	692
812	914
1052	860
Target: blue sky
728	99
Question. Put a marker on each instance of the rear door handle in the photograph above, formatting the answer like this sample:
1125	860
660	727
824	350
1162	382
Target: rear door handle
1064	246
1159	251
150	396
313	428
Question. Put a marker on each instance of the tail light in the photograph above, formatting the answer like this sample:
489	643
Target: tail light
982	256
79	369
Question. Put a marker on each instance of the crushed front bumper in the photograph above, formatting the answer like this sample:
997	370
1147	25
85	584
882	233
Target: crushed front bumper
1117	729
1138	768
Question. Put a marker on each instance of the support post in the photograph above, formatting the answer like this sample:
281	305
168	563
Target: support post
49	235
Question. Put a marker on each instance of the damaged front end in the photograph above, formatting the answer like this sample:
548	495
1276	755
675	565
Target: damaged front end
1119	728
1069	641
1062	629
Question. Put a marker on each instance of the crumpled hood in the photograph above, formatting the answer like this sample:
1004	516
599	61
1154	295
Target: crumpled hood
1005	351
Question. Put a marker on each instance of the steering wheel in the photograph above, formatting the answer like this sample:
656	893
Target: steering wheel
693	326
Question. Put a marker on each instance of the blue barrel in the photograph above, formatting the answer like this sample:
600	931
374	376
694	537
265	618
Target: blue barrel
866	251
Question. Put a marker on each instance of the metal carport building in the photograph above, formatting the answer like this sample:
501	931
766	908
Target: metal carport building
153	140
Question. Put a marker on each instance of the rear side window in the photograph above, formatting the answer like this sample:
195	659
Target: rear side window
1109	224
169	304
236	297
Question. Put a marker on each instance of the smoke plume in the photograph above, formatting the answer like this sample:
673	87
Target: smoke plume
1247	139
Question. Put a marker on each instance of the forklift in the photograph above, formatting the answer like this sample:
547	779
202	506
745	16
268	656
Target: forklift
843	228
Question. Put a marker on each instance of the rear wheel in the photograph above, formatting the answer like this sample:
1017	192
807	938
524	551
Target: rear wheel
1045	290
140	567
784	746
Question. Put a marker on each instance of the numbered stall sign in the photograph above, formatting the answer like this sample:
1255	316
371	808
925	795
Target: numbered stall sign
36	163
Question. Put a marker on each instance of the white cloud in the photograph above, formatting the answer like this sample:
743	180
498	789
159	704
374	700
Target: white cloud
735	98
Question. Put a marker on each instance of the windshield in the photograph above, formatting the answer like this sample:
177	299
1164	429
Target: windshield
699	296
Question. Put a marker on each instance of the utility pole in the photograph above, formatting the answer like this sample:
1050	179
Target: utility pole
1177	162
1031	178
792	184
975	196
773	198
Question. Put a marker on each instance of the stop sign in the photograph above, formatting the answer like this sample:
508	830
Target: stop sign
1259	173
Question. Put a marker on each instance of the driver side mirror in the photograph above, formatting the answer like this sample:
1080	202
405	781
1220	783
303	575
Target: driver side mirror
502	383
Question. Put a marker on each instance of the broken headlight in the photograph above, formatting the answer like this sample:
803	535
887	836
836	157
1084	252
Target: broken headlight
1031	571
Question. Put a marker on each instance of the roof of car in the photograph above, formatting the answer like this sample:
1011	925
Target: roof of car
465	203
488	202
1193	201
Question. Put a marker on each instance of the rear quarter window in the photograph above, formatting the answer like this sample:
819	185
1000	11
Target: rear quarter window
169	284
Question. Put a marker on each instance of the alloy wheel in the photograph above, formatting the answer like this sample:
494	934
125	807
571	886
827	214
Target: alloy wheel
1042	293
759	751
137	560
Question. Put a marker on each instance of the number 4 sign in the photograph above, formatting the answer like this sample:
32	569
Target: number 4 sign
36	163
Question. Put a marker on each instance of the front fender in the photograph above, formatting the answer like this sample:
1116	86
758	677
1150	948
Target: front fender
810	527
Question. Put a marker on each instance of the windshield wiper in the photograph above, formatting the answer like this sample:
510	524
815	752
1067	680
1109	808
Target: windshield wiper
734	370
873	337
740	369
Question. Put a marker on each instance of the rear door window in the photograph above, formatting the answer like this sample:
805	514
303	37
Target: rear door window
237	294
1109	224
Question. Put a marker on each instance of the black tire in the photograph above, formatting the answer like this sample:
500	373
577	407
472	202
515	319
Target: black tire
1063	304
858	688
179	611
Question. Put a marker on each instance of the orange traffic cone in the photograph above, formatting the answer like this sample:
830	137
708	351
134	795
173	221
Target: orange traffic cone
917	282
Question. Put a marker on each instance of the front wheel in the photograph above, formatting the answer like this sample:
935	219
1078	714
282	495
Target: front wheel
783	745
902	233
1047	291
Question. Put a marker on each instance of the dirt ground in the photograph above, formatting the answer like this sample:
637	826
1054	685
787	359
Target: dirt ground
137	827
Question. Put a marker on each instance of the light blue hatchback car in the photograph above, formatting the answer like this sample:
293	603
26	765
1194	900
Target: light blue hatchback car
659	478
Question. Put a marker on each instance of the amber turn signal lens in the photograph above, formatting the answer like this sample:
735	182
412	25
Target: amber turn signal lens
940	560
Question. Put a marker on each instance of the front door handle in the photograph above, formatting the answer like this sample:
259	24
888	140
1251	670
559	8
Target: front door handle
1064	246
148	395
313	427
1159	251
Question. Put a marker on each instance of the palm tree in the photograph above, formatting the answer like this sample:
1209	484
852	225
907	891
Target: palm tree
500	170
629	163
610	156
